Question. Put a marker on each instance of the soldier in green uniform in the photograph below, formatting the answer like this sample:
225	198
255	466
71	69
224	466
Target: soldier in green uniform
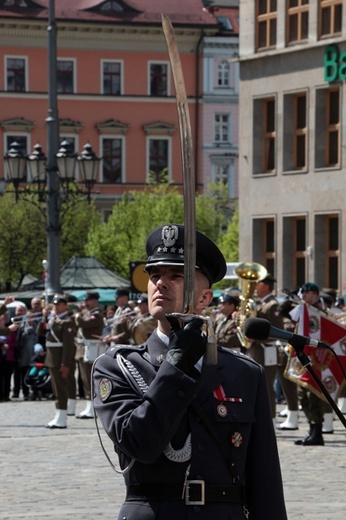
60	333
226	326
90	326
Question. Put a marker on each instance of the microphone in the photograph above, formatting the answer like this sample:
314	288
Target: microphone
260	329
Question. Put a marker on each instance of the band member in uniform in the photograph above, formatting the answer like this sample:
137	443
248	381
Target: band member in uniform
124	314
143	324
90	326
60	333
311	404
265	352
226	327
192	439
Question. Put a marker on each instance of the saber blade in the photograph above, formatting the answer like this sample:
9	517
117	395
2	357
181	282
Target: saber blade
188	166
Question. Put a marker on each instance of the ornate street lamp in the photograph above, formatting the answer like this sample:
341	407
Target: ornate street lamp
15	167
89	167
37	162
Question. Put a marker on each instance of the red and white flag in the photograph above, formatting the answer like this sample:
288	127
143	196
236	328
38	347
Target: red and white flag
316	325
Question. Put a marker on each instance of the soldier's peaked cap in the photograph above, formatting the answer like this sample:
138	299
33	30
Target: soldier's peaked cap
91	295
59	298
165	246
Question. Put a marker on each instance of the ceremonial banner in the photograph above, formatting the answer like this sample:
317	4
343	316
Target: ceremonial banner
316	325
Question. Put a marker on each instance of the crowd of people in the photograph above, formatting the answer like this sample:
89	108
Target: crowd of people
28	341
273	354
168	410
47	351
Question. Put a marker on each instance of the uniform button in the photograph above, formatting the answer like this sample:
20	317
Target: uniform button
181	393
200	447
196	509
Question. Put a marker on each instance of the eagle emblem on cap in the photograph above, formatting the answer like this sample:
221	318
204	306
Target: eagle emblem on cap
169	235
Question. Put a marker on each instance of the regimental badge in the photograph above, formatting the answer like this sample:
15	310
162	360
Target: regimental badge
237	439
105	389
169	235
221	410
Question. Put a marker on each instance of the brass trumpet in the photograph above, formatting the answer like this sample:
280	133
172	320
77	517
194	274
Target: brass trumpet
250	273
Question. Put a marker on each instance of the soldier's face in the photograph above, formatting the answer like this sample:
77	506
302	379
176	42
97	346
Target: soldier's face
166	291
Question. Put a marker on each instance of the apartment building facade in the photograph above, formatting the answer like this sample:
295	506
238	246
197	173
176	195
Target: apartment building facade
292	149
114	83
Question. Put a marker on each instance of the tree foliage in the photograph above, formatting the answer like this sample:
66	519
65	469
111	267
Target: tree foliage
121	240
23	238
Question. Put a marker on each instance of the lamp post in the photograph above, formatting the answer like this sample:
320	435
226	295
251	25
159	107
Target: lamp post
51	174
53	218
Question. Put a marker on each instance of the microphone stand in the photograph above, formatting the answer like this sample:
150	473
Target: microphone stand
298	344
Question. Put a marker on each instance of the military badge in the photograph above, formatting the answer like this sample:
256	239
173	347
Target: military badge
237	439
105	389
169	235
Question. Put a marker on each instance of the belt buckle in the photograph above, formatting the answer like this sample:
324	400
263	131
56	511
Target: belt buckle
200	502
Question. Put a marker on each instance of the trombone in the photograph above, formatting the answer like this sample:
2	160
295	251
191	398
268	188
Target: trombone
19	319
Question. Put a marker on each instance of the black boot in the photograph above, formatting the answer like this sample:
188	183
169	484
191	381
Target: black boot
299	442
314	438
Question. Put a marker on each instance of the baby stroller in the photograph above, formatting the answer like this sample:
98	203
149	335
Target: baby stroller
37	376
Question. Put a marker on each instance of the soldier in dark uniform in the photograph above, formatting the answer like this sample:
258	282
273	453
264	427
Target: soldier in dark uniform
90	326
60	333
226	326
193	440
265	352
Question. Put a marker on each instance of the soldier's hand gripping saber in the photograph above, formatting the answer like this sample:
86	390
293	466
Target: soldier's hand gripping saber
189	189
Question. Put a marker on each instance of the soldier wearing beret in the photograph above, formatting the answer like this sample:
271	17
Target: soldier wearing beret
90	326
60	332
193	439
226	327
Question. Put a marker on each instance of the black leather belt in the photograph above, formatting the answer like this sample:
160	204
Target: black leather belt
194	492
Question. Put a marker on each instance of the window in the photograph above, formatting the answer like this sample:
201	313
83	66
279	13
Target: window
15	74
333	251
327	123
269	136
297	20
158	159
333	129
112	160
294	246
222	171
295	132
299	251
158	79
111	77
264	136
264	243
330	17
65	76
221	129
327	252
300	131
223	74
266	24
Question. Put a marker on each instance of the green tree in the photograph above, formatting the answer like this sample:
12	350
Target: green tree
122	239
77	218
23	239
229	242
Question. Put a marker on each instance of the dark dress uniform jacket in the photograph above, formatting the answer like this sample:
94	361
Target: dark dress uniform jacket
142	427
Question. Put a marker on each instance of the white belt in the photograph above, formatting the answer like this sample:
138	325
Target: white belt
53	344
